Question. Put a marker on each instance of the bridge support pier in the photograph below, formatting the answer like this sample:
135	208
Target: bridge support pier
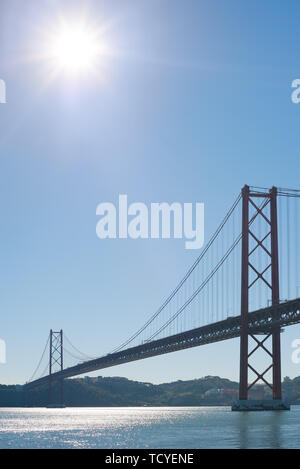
56	359
256	405
269	276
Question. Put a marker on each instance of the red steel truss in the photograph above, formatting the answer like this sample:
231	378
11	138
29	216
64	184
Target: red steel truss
268	213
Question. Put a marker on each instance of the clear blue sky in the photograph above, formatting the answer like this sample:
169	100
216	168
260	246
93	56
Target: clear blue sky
193	103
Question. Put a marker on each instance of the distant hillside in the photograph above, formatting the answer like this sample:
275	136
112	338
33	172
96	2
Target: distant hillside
210	390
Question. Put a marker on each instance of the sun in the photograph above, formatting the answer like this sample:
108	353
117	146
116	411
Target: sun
74	48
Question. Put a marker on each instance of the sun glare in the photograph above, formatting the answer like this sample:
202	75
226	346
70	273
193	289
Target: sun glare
75	48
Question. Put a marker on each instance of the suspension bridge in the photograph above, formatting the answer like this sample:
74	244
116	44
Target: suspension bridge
245	283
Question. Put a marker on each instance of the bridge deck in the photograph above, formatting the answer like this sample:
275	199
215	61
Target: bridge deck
260	321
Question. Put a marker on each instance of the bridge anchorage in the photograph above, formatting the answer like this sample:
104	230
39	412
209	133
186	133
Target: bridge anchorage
234	289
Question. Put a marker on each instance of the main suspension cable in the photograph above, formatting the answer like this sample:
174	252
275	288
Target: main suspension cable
35	371
187	275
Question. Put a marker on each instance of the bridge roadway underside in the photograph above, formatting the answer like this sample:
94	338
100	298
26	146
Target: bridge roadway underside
260	321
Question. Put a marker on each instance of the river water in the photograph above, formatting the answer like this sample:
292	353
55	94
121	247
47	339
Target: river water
148	427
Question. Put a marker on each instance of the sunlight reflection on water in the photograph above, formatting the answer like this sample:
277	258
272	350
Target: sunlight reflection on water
148	427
